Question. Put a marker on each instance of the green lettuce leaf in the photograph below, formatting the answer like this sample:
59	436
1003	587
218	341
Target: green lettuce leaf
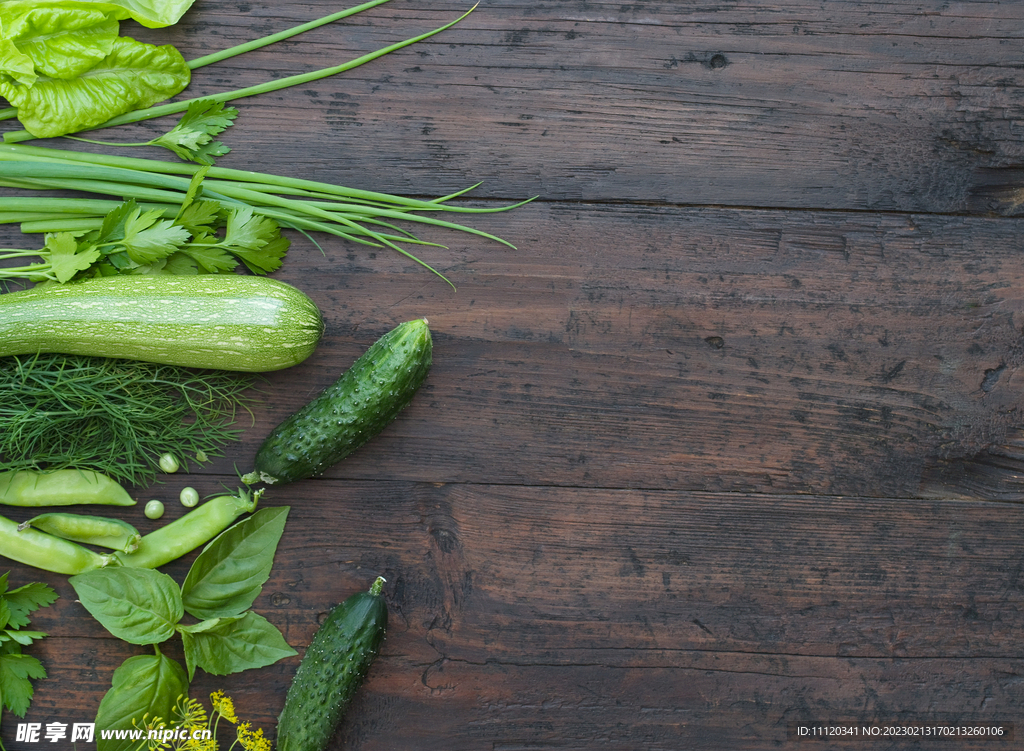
56	42
15	63
133	76
153	14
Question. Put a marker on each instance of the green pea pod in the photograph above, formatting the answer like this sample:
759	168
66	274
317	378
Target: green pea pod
42	550
188	532
92	530
62	487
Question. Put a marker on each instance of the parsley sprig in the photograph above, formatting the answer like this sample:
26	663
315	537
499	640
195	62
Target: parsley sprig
203	237
18	670
192	138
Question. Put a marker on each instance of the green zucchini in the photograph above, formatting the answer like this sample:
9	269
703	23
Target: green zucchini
334	666
351	411
220	321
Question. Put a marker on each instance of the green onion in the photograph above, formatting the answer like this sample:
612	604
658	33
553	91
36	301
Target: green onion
358	215
17	136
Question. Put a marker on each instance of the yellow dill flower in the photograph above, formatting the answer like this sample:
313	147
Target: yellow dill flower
252	740
199	744
147	725
224	706
191	712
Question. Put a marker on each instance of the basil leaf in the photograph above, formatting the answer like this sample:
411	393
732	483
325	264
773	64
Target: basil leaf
229	645
138	605
133	76
228	575
143	685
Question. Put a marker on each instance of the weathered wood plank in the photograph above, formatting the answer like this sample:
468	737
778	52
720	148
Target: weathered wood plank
563	616
860	105
694	462
683	348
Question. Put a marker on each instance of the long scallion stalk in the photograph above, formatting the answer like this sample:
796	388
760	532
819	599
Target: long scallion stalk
216	57
365	217
17	136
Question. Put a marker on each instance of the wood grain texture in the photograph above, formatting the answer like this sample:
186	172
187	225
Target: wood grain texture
731	440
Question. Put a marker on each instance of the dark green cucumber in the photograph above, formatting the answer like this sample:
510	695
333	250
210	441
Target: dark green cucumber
351	411
334	666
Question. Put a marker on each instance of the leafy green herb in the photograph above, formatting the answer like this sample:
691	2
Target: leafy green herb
18	670
143	606
361	216
192	138
138	605
228	575
132	239
63	258
229	645
114	416
144	686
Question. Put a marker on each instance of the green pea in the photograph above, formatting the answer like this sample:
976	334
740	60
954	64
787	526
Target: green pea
188	532
154	509
92	530
169	463
189	497
42	550
62	487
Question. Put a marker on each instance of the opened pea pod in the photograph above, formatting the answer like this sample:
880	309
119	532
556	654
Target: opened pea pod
114	534
62	487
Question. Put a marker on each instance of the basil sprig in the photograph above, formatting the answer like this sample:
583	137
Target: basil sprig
145	686
142	606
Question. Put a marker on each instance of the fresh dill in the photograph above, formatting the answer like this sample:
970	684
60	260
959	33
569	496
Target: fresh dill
114	416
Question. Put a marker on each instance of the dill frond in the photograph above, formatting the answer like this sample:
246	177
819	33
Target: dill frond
114	416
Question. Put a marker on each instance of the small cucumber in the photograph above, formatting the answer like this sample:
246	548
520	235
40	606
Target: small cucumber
351	411
333	667
220	321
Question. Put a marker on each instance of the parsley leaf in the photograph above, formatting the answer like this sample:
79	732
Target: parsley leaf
112	228
148	238
22	637
194	186
16	670
248	230
268	258
27	599
200	217
67	257
212	258
192	138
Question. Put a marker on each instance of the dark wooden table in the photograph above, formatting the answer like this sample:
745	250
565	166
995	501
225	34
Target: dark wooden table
731	442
